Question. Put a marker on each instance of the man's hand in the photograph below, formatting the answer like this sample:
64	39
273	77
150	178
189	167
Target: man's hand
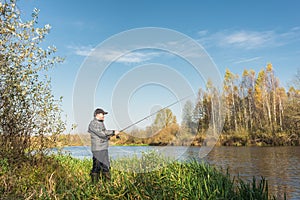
117	134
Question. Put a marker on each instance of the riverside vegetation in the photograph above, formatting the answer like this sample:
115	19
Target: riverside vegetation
64	177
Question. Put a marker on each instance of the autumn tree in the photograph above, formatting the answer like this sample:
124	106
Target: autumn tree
296	80
291	120
200	115
231	99
164	118
247	97
165	127
188	124
27	106
260	101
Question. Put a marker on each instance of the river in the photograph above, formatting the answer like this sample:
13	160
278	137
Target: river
279	165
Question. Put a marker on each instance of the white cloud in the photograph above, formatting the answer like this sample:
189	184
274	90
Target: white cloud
248	40
132	57
141	55
237	39
81	50
202	32
245	60
251	39
111	54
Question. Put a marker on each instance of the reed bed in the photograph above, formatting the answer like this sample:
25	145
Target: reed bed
150	176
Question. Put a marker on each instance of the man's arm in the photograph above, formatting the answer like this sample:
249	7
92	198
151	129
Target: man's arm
100	130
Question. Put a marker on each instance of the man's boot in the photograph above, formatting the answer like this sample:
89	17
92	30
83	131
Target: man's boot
95	177
106	175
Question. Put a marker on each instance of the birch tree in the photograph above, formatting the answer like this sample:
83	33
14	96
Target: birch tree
27	106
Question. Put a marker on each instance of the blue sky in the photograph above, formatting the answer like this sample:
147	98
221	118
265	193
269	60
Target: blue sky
236	34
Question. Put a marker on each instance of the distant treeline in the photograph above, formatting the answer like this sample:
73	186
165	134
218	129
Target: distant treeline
256	109
252	109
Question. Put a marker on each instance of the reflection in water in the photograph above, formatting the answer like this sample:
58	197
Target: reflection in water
279	165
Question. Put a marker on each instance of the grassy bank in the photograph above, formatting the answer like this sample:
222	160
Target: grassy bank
226	139
63	177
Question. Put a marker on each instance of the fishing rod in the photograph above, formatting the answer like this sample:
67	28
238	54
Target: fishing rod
155	112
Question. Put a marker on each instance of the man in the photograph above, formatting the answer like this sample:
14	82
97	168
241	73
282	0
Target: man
99	141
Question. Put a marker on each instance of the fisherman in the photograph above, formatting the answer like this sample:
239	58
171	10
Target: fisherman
99	141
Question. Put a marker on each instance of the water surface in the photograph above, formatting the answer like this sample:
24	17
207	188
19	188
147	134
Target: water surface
279	165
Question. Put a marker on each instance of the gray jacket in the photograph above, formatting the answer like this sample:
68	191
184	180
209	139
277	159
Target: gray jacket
99	135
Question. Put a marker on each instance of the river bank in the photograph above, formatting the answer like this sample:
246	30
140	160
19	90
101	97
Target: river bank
64	177
198	140
280	165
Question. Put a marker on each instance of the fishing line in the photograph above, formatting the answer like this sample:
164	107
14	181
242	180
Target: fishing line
155	112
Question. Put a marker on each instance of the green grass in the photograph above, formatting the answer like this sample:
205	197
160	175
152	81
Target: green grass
149	177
